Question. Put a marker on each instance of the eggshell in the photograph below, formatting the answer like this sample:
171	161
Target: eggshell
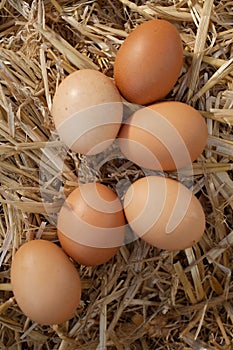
149	62
91	224
164	213
45	283
87	111
164	136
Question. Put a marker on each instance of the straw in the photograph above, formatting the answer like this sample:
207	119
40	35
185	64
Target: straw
143	298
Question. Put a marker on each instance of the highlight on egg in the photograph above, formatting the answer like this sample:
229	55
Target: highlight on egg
45	283
149	62
87	111
164	136
91	224
164	213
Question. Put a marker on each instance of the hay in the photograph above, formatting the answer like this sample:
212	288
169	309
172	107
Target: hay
144	298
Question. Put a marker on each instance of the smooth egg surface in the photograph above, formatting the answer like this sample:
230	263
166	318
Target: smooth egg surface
164	136
45	283
91	224
87	111
149	62
164	213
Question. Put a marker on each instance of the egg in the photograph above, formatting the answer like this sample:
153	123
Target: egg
149	62
87	111
164	213
164	136
46	284
91	224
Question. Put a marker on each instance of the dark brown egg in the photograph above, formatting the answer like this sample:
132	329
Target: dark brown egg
149	62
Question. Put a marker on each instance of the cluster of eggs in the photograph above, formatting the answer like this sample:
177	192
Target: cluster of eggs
88	115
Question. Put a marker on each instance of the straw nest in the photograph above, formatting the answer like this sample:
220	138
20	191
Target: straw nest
144	298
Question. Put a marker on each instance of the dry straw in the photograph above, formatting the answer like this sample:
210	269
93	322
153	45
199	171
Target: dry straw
143	298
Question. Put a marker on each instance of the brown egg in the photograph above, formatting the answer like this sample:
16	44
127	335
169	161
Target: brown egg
45	283
91	224
149	62
87	111
164	136
164	213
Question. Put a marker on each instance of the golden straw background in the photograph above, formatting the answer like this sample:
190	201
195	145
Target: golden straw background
143	298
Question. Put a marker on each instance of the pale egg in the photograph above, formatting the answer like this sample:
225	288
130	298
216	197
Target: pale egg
87	111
